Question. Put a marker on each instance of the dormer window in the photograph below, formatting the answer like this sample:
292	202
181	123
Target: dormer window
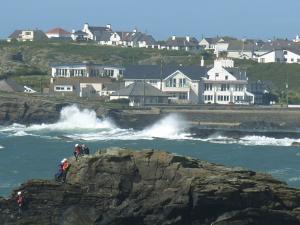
217	74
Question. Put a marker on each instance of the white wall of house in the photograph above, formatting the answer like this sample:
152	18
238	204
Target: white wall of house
221	87
181	88
221	47
271	57
291	57
240	55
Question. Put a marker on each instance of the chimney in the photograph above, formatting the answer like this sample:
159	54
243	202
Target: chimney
134	30
187	38
202	62
173	37
108	26
85	27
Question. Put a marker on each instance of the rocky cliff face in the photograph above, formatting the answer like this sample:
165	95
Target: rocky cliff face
151	187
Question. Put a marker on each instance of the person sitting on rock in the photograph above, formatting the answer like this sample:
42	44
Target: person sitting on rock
58	175
65	168
85	150
20	201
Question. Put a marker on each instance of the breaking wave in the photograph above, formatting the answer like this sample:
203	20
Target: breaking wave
75	124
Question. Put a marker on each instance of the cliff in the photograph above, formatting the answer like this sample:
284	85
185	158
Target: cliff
118	186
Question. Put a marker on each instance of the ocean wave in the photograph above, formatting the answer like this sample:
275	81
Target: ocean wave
294	179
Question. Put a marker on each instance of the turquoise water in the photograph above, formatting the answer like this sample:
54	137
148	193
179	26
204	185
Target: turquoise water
35	151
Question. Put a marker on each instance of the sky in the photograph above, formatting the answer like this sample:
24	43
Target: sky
265	19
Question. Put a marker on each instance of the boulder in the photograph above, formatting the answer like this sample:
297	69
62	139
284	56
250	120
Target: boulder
118	186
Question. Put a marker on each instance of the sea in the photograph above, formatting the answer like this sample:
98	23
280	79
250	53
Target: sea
34	152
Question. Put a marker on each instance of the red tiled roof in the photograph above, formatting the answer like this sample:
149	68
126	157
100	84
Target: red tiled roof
57	31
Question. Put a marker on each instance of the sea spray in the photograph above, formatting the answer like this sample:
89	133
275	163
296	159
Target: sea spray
72	118
172	126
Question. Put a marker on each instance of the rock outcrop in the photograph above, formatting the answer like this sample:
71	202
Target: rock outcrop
118	186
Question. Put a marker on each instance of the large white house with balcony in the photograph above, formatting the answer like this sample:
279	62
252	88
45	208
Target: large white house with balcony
86	69
225	84
222	84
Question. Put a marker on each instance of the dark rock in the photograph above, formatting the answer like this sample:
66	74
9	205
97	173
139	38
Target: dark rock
118	186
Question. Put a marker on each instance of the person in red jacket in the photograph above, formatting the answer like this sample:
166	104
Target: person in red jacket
65	167
20	201
77	151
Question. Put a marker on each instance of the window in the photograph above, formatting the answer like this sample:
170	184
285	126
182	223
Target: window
217	74
121	72
226	77
174	82
292	60
182	82
285	52
262	60
208	87
239	87
108	73
224	87
182	95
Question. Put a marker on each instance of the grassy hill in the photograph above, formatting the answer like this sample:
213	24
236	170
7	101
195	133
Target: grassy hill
29	62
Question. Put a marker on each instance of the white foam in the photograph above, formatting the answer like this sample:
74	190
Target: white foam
294	179
251	140
1	147
72	118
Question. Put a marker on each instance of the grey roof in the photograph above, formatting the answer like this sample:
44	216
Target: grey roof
238	73
15	34
98	29
103	36
158	72
182	42
276	44
9	85
140	89
211	40
80	32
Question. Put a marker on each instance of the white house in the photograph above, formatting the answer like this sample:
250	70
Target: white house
93	32
225	84
291	55
209	43
86	69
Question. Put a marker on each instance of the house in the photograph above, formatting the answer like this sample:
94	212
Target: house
58	34
86	69
181	83
182	43
141	94
78	86
136	39
27	35
9	85
226	84
285	55
94	33
209	43
79	35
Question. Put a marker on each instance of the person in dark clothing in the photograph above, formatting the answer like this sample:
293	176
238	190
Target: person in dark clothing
85	150
20	202
58	175
77	151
